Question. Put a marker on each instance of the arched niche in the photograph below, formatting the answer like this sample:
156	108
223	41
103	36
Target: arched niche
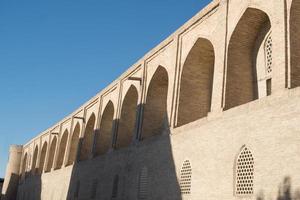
155	119
104	136
24	165
51	154
245	41
62	149
196	82
43	157
74	145
128	118
34	160
87	141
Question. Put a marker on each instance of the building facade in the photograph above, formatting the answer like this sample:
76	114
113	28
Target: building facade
212	112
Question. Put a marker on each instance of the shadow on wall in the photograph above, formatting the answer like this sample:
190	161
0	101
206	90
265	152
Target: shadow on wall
142	170
30	187
11	189
284	191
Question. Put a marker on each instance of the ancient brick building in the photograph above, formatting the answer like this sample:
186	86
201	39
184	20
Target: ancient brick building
213	112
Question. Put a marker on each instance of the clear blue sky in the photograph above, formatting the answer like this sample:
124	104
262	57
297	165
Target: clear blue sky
55	55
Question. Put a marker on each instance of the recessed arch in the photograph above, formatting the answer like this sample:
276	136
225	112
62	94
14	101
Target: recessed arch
128	118
74	145
24	165
34	160
244	44
87	141
295	43
196	82
155	119
62	149
43	157
104	136
51	154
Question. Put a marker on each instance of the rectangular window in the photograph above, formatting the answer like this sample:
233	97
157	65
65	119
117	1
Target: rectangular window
269	87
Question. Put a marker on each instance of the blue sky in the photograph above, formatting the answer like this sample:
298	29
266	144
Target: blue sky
55	55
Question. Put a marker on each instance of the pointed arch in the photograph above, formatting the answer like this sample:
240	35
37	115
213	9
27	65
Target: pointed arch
104	136
244	173
34	160
43	157
62	149
87	141
128	118
241	75
155	119
196	82
74	145
295	43
51	154
24	165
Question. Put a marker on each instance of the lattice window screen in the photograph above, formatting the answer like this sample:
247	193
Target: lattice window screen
115	187
268	54
94	188
143	184
244	173
186	178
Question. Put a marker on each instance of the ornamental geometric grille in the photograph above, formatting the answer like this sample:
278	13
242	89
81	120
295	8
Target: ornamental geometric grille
143	184
186	178
244	173
268	52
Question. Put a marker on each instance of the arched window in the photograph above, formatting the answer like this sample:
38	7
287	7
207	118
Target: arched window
155	113
242	63
74	145
244	173
51	154
128	118
115	187
143	184
295	43
87	142
196	83
34	160
186	178
104	136
43	157
62	149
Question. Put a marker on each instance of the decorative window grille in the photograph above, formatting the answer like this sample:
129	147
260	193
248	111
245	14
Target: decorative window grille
115	187
143	184
244	173
186	178
268	54
94	189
